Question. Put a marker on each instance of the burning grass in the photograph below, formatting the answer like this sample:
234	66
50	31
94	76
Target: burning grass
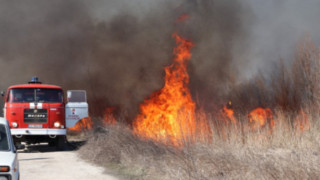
268	130
271	134
286	153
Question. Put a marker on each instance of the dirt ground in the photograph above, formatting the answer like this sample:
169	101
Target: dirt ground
45	163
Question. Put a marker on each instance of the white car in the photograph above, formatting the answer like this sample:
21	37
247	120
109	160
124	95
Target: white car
9	165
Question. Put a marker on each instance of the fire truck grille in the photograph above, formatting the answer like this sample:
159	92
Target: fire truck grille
35	116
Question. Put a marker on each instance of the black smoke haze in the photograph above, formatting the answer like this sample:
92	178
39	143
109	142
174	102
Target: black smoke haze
116	50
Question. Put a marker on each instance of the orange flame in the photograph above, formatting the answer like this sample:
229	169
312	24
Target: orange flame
182	18
169	114
259	117
228	114
302	121
109	118
84	124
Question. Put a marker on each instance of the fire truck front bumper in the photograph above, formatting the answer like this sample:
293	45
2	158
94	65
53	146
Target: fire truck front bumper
27	131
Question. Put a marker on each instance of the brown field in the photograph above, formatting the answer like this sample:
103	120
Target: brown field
286	153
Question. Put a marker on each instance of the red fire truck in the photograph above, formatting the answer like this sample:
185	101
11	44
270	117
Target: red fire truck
39	112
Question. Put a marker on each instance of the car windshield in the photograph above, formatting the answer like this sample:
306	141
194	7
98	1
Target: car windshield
4	143
36	95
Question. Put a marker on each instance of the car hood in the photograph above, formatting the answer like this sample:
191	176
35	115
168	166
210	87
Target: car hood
7	158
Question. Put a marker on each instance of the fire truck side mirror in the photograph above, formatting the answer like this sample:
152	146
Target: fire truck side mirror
2	93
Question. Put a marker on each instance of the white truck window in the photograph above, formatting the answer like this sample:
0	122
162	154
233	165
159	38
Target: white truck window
76	96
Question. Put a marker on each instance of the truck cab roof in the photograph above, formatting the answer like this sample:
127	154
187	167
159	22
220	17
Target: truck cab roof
35	85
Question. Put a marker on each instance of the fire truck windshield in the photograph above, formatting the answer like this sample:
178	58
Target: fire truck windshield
41	95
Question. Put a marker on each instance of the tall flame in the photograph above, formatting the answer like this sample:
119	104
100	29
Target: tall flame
169	114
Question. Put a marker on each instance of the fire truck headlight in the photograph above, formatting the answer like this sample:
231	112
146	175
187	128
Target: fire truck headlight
14	124
56	124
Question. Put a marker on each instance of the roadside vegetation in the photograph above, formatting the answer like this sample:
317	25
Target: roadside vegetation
286	146
286	154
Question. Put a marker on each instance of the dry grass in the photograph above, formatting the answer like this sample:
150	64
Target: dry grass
286	151
285	154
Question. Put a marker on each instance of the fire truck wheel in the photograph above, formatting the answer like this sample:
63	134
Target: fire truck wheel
17	143
60	142
52	143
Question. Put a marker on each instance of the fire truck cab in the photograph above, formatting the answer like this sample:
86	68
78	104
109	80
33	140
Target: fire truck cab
39	112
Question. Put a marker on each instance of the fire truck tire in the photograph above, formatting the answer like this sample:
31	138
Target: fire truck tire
17	143
60	142
52	143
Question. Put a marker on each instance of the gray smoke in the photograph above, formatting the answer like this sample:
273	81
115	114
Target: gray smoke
117	49
277	30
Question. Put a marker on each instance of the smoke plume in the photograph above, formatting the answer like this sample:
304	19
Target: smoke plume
116	50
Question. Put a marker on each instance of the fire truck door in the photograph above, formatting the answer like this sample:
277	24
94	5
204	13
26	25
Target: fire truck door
77	107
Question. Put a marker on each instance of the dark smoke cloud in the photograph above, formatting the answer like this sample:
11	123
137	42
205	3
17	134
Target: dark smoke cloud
117	49
117	58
